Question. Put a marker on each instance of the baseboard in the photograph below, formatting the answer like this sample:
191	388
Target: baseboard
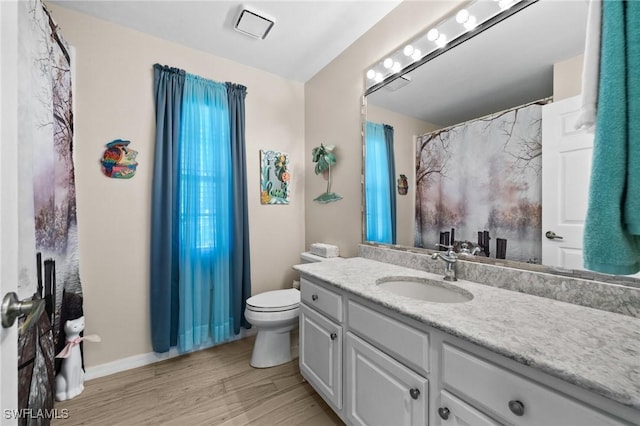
141	360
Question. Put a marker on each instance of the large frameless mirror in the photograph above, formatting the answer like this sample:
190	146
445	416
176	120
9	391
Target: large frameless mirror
463	123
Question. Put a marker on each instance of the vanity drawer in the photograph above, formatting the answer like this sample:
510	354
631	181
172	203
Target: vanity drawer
403	342
321	299
494	388
455	412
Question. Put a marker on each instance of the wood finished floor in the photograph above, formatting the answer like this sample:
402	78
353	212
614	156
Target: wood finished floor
216	386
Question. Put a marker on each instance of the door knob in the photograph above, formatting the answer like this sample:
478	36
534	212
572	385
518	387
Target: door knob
552	235
415	393
13	308
333	336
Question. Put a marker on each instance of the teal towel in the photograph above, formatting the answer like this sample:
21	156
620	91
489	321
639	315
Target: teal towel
609	246
632	199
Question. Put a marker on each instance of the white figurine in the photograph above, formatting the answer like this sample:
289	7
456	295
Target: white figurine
70	379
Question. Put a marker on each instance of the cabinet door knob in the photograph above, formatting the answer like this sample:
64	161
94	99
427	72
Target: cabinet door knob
333	336
444	413
415	393
314	297
516	407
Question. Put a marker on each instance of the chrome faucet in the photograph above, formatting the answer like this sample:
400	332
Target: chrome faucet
464	249
450	258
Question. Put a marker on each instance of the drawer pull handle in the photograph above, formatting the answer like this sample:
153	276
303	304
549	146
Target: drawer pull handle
444	413
333	336
415	393
516	407
314	297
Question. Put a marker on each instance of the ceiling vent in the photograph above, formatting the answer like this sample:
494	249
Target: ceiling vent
253	23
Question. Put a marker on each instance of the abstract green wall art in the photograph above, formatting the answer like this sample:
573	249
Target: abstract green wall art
275	177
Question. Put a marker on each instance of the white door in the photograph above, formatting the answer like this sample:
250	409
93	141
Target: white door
321	355
8	203
380	390
566	167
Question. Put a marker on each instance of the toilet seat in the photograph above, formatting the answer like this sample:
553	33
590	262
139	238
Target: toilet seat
274	301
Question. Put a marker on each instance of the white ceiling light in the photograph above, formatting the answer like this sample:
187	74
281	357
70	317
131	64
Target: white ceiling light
253	23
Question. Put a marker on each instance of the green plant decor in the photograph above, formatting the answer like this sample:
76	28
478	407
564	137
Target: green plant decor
324	158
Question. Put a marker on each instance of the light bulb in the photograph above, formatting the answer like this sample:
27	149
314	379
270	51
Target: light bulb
417	54
408	50
462	16
471	23
441	41
505	4
371	74
388	63
379	77
433	34
396	67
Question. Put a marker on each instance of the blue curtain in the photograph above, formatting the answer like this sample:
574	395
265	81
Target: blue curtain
168	86
200	267
391	159
241	264
206	214
379	189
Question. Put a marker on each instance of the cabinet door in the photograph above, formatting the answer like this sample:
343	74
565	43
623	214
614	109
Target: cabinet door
380	390
455	412
321	355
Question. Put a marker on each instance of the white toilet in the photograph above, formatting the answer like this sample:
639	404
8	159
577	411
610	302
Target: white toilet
275	314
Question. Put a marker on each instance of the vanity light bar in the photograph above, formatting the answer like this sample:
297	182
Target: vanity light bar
450	32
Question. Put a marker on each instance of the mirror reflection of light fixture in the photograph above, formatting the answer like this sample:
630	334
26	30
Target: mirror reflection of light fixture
505	4
476	17
465	18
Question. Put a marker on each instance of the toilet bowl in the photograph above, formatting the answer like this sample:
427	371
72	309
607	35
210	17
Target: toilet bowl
274	314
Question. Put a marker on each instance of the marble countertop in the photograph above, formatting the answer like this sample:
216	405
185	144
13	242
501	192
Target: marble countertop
594	349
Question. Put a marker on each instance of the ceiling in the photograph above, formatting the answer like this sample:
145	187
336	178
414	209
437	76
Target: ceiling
307	34
508	65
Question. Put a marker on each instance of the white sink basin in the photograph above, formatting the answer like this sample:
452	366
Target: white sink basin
424	289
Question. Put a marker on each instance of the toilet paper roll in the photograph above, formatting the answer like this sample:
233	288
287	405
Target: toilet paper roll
296	284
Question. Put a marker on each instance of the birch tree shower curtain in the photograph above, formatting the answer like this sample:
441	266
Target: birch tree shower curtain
48	237
483	177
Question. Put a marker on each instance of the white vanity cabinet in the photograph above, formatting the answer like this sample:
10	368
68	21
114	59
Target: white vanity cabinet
380	390
385	371
321	339
375	366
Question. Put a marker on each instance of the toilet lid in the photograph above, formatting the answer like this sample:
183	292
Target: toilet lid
274	301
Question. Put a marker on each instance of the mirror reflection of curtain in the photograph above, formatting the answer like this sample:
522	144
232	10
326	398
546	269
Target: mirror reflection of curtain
380	196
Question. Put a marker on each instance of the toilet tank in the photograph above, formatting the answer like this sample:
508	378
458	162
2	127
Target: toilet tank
308	257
